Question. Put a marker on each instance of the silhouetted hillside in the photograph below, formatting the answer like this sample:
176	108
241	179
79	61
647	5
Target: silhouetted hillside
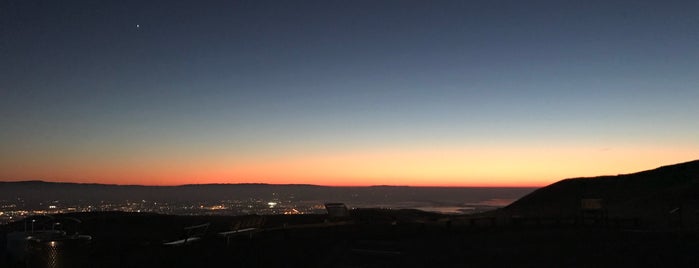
649	195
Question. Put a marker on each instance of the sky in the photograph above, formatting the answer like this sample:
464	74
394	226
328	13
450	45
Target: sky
421	93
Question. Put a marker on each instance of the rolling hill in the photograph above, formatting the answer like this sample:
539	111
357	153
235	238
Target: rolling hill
651	195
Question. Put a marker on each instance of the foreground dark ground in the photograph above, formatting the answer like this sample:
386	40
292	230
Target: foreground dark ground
373	238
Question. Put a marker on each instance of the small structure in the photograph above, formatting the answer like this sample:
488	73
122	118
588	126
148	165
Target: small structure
337	211
593	211
591	204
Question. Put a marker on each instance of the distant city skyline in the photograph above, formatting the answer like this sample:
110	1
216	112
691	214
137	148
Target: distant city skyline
345	93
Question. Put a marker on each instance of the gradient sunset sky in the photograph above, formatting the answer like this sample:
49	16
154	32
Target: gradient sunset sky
442	93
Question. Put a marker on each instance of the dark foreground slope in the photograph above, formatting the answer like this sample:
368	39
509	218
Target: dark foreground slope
373	238
653	196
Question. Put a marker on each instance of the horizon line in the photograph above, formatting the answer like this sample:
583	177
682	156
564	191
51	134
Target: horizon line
276	184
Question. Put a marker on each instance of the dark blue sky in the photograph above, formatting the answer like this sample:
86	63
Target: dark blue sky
242	80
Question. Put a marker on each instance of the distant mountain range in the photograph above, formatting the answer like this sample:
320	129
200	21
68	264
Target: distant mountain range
651	195
40	191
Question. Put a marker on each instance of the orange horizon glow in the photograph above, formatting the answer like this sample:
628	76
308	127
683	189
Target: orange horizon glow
419	167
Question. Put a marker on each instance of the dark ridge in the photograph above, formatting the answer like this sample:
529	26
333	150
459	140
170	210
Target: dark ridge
220	184
648	194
